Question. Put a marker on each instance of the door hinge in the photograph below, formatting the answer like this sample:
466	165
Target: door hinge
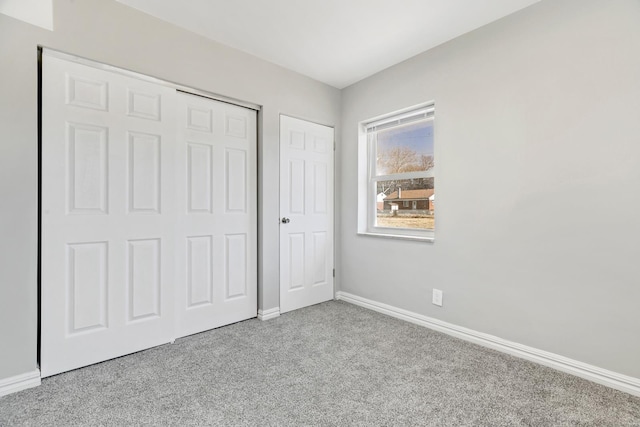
334	272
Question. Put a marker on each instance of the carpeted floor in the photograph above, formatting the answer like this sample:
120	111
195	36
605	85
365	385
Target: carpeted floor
332	364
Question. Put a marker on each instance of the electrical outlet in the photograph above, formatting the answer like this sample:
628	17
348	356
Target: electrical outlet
437	297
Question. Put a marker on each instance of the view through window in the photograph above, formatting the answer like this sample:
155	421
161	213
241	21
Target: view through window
401	171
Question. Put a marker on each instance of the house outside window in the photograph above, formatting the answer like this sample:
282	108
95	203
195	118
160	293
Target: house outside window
398	151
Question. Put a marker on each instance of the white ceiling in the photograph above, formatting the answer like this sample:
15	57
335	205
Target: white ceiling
334	41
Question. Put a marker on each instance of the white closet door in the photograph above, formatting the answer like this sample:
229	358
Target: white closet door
306	210
107	215
217	214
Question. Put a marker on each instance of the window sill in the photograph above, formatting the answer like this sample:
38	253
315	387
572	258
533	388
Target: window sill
398	237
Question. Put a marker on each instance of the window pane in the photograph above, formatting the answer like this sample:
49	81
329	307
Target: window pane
405	203
404	148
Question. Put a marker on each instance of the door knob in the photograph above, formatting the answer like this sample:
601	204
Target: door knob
285	220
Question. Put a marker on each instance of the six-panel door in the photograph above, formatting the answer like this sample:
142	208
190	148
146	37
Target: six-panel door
306	213
217	217
107	214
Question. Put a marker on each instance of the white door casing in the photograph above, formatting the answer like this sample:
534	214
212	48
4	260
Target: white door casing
129	257
217	214
306	213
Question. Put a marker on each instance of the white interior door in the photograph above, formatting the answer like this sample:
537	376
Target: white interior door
107	215
306	213
217	214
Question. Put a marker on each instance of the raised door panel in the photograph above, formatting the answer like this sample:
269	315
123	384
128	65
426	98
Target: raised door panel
144	173
143	279
199	177
296	194
200	279
87	92
236	126
87	280
319	257
235	265
144	105
236	181
320	190
87	168
199	118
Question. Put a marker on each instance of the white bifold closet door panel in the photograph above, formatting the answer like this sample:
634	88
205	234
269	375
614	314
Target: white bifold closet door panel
107	215
217	214
148	215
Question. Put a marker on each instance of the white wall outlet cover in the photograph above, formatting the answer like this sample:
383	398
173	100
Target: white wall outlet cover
437	297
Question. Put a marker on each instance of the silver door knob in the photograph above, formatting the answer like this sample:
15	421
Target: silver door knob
285	220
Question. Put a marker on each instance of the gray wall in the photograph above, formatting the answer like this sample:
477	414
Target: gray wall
538	182
109	32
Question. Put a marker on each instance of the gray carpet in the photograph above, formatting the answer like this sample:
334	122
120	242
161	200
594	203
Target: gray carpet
332	364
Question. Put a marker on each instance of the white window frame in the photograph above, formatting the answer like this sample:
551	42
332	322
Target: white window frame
367	178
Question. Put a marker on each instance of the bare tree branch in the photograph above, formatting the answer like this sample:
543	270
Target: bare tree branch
403	159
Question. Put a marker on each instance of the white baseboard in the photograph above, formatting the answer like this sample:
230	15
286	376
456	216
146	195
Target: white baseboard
605	377
19	382
269	314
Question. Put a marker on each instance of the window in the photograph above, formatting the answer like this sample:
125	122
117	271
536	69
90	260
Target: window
397	158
